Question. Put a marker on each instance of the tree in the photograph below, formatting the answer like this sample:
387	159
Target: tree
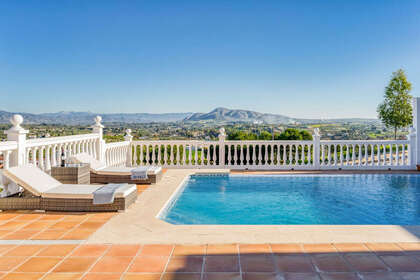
396	111
294	134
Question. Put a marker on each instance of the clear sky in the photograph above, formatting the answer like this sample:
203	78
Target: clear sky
298	58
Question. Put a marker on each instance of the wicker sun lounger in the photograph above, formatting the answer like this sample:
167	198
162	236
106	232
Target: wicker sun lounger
45	193
100	174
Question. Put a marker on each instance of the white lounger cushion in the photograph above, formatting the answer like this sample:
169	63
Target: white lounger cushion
41	184
100	168
151	170
84	191
32	179
86	158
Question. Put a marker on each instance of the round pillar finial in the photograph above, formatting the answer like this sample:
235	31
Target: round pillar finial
128	131
98	120
16	120
317	132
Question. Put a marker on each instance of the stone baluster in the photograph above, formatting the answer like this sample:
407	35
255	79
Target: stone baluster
247	155
242	159
54	155
135	149
141	147
229	154
27	156
208	155
34	151
372	155
47	158
189	154
403	155
202	154
284	156
171	154
6	163
329	154
347	154
41	158
310	147
391	155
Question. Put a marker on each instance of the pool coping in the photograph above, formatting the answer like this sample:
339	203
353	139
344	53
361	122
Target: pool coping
139	224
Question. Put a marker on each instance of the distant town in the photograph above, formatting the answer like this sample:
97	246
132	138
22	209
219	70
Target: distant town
199	126
209	130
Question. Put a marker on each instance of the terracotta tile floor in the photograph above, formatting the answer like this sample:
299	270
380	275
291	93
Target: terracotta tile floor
184	262
31	225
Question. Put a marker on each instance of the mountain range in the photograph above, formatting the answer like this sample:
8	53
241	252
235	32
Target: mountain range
217	115
83	118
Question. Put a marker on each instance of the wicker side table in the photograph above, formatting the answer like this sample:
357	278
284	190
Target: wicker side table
72	173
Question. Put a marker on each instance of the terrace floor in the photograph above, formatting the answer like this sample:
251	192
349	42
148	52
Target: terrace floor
229	261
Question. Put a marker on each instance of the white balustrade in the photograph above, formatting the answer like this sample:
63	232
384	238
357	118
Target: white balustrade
46	152
343	154
365	154
116	153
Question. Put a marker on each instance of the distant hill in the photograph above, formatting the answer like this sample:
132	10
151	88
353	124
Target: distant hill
218	115
228	115
75	118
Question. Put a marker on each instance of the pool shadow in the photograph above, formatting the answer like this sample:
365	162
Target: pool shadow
296	261
413	230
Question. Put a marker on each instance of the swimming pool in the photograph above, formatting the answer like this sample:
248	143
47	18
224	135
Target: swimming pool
358	199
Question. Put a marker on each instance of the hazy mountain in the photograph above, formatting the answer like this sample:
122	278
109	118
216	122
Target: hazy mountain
228	115
217	115
72	118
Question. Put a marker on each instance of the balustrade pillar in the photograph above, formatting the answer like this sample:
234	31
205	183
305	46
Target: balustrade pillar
18	134
222	138
100	142
412	137
129	158
317	145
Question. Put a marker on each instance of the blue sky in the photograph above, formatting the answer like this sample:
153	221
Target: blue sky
298	58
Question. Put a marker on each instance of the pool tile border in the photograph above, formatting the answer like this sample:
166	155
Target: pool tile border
141	224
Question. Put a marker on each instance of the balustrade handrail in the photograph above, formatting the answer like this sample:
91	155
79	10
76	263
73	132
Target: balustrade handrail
8	145
60	140
138	142
365	141
268	142
117	144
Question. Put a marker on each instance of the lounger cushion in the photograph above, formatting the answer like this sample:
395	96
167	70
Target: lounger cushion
31	178
151	170
70	191
86	158
100	168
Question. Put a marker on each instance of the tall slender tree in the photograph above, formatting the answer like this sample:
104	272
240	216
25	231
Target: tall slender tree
396	111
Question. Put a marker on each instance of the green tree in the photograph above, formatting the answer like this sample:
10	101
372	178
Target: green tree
265	135
294	134
396	111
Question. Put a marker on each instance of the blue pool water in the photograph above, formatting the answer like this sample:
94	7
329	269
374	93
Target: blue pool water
297	200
